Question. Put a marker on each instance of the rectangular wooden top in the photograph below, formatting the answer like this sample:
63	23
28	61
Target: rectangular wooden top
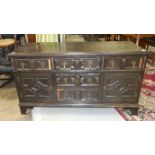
78	48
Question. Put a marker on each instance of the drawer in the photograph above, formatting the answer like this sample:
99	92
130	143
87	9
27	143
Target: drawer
42	64
77	79
84	95
64	63
90	63
77	63
91	95
89	79
32	64
66	94
122	63
65	79
131	63
23	64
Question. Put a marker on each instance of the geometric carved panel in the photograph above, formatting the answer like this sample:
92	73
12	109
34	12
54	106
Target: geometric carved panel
119	88
35	87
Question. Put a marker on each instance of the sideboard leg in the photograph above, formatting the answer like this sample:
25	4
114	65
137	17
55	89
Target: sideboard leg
23	110
133	111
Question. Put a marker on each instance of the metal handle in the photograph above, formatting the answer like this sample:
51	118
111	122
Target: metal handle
22	65
64	65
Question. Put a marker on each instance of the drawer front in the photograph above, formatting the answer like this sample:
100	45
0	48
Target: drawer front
90	63
122	63
32	64
65	79
77	63
76	79
43	64
23	64
89	79
121	87
66	94
91	95
82	95
64	63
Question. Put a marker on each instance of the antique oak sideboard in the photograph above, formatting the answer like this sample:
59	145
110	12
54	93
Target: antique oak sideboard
87	74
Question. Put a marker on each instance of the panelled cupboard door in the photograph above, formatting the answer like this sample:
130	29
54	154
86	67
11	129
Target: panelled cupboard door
35	87
121	87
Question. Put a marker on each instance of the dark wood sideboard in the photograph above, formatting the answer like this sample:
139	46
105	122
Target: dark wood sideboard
88	74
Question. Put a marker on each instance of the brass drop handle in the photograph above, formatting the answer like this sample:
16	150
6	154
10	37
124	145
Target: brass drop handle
133	64
123	60
22	65
73	79
82	79
64	65
112	64
89	64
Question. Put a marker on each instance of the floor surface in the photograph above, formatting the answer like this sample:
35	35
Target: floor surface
9	110
75	114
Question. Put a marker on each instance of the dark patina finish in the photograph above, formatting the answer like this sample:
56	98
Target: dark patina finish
89	74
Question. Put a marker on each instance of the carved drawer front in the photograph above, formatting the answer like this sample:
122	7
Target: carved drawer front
65	80
89	79
130	63
43	64
35	87
111	62
23	64
121	87
91	95
121	63
90	63
77	79
32	64
64	63
84	95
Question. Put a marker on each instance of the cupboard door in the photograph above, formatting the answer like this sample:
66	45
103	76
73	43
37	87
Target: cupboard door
121	87
35	87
